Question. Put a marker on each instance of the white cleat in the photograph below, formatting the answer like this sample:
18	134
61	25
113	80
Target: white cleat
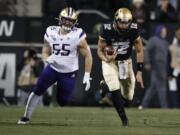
23	121
140	107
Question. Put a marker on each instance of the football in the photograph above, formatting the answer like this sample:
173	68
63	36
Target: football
109	50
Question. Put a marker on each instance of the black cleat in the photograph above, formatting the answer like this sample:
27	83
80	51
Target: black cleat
125	123
23	121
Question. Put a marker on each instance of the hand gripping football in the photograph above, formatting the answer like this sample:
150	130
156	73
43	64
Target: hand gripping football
109	50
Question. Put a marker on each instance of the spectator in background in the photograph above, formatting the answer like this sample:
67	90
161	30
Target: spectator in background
29	68
4	7
108	6
156	60
165	12
174	70
174	3
52	7
116	4
141	14
140	11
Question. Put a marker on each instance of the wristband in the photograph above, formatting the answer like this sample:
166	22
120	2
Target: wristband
139	66
87	74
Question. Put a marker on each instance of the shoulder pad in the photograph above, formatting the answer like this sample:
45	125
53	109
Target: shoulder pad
82	33
78	32
134	26
51	28
75	29
107	26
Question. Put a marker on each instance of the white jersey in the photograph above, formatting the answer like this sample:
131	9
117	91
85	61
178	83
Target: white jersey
64	55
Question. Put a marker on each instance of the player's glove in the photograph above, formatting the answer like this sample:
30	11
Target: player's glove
49	60
86	81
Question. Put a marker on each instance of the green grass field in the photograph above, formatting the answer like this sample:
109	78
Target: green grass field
89	121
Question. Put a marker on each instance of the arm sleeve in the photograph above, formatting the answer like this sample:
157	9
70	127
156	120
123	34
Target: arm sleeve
135	31
104	34
81	35
47	35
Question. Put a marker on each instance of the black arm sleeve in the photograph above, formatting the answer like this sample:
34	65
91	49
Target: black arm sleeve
105	33
134	31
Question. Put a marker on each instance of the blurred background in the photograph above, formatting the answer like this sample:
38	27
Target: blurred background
22	27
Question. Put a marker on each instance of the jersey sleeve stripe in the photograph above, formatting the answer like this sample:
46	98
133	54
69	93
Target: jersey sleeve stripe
82	33
47	35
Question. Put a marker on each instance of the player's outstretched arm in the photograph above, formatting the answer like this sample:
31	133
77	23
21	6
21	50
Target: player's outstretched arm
46	50
140	59
86	52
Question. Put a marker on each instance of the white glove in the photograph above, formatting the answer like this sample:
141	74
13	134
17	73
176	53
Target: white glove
49	60
86	81
176	72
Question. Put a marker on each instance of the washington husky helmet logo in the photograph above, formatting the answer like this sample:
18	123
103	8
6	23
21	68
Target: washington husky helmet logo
67	19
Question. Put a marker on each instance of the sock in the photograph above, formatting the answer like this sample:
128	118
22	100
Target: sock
126	102
118	104
31	104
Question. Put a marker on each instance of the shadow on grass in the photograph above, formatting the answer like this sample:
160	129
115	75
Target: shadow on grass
45	124
163	125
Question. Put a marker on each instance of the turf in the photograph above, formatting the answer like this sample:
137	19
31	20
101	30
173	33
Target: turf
89	121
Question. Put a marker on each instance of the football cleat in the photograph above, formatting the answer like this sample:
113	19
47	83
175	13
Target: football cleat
23	121
125	123
124	120
140	107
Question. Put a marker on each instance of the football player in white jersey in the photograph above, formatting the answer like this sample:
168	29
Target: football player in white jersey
60	51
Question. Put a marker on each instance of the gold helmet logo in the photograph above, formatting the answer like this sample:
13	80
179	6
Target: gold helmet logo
123	15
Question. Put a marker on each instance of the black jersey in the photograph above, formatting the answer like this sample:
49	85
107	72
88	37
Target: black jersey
121	41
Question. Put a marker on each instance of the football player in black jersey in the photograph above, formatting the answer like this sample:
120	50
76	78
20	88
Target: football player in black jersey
117	70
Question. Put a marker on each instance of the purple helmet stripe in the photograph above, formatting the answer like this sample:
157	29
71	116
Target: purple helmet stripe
68	11
47	34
